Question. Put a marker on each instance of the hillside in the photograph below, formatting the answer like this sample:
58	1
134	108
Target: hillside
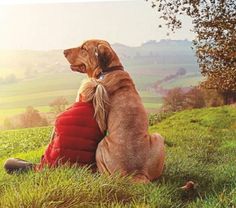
36	78
150	58
200	146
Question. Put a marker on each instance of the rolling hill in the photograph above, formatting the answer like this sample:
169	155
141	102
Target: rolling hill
200	147
151	58
35	78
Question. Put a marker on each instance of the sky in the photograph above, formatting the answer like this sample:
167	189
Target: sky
59	24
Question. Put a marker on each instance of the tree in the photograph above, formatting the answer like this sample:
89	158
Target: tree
216	48
174	100
212	98
178	99
58	105
32	118
195	98
214	23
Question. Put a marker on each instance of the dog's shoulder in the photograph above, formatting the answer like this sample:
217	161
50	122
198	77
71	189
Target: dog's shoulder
116	80
116	77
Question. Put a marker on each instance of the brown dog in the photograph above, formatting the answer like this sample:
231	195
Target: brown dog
128	149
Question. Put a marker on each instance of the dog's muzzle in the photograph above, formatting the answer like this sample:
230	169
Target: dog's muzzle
78	68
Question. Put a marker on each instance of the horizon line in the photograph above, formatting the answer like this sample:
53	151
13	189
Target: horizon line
55	49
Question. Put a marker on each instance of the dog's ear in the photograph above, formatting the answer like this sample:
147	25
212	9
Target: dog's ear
105	55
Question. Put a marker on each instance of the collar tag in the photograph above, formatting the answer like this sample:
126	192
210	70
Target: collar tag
101	77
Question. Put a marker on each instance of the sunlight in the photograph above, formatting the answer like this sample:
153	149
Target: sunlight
52	1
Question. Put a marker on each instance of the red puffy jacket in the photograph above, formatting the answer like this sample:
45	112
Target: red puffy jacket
76	137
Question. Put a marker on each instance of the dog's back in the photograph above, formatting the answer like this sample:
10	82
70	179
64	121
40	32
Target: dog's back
127	147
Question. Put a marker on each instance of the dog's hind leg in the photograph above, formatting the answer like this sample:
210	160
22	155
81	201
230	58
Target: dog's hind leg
108	161
102	158
140	178
108	164
155	163
108	158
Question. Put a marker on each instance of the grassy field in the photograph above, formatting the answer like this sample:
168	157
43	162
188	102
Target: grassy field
200	146
185	81
40	91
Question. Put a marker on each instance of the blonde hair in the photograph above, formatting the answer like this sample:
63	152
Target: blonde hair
92	90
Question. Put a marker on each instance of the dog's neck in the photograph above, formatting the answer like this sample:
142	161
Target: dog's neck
108	70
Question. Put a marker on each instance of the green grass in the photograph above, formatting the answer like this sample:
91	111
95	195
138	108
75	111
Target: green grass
200	146
39	91
155	106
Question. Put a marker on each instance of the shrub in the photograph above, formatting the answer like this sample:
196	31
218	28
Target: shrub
155	118
177	99
213	98
194	98
174	100
30	118
58	105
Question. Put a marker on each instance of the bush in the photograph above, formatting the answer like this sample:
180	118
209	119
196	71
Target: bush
195	98
30	118
213	98
174	100
58	105
158	117
177	99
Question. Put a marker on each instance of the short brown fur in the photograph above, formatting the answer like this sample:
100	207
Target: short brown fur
128	149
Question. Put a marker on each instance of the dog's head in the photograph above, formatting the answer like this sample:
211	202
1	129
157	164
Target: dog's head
93	57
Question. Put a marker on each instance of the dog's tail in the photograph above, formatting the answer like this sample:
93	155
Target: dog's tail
93	90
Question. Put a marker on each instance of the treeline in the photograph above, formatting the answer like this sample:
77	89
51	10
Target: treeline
178	99
158	84
30	118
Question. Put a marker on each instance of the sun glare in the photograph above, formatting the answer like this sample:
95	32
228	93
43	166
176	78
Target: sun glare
51	1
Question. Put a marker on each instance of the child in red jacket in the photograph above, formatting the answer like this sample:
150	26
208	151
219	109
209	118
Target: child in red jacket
77	132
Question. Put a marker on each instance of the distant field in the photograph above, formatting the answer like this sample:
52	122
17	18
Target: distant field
41	91
185	81
4	113
7	71
152	106
43	76
165	69
42	83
